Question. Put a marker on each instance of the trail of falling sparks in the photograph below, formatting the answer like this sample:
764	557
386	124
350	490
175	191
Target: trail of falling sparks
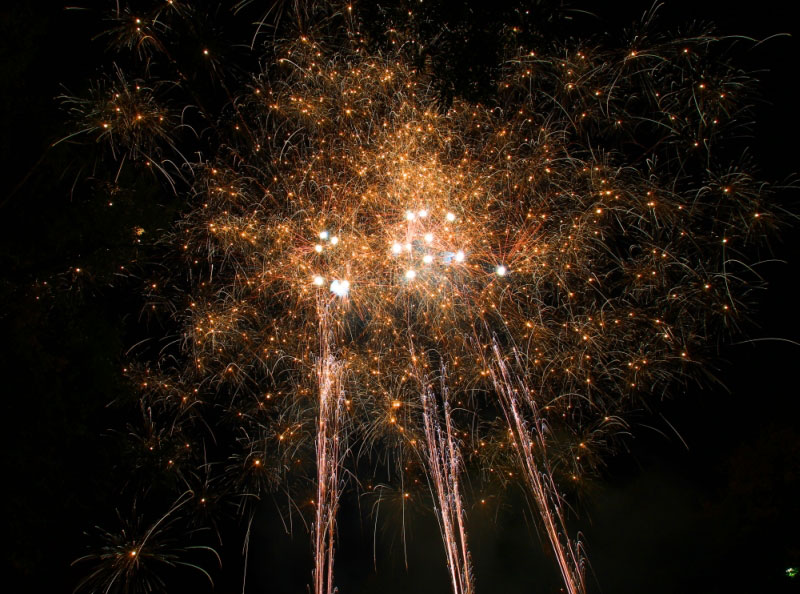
331	408
444	468
528	435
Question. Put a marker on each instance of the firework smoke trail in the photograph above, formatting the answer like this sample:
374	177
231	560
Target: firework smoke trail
528	435
444	467
331	406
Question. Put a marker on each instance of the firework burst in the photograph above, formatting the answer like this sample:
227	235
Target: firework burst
368	276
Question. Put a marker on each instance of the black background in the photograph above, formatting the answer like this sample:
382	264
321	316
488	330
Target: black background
718	514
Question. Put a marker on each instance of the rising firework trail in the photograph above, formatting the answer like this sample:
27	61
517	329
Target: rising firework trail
444	469
528	431
328	450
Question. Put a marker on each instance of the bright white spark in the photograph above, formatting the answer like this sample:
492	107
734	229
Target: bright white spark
340	288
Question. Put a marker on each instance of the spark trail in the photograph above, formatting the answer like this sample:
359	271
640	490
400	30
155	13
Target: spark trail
444	467
329	434
530	443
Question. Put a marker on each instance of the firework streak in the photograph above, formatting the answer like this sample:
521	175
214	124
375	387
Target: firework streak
444	469
329	432
528	434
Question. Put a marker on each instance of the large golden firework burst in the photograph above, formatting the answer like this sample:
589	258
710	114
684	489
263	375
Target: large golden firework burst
372	276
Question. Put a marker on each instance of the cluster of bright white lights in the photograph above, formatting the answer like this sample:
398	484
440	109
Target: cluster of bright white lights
325	236
338	287
341	287
428	238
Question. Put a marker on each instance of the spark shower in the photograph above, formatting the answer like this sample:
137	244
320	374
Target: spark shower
421	296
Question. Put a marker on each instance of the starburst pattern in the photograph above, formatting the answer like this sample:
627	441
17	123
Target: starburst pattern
368	276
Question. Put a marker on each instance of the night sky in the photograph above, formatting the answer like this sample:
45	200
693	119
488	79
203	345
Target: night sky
704	497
